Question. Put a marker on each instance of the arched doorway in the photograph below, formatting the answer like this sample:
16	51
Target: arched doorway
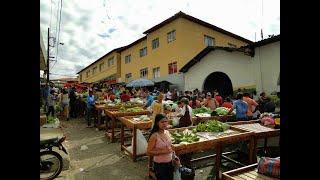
219	81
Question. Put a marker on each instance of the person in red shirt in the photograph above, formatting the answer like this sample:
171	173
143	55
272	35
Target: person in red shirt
125	97
251	103
109	96
218	98
227	103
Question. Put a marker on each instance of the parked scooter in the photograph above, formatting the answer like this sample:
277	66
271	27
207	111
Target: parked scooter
51	162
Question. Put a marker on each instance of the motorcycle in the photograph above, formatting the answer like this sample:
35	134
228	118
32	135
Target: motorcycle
51	163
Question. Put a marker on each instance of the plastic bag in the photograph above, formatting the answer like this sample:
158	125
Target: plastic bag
141	144
177	174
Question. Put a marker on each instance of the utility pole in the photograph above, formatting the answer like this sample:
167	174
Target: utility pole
48	56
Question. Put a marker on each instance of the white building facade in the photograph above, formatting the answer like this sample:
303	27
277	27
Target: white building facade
259	69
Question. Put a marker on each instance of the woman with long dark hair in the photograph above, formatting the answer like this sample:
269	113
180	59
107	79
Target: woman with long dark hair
159	146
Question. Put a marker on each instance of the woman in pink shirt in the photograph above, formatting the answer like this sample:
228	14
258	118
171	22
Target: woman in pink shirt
159	146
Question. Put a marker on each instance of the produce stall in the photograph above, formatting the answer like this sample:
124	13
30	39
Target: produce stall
203	114
134	123
113	114
247	172
212	135
260	131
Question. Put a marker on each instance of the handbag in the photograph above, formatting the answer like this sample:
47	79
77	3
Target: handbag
175	161
176	167
269	166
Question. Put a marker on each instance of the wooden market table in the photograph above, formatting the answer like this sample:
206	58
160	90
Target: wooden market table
260	131
247	172
129	122
114	114
217	141
99	108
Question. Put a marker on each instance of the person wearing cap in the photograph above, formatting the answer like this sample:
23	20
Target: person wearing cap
210	102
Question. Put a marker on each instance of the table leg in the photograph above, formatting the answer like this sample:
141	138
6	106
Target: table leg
121	136
265	145
253	150
134	144
113	121
218	161
99	117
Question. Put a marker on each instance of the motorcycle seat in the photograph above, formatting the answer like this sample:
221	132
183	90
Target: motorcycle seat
49	141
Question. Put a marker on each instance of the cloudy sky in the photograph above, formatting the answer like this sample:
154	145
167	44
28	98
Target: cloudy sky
91	28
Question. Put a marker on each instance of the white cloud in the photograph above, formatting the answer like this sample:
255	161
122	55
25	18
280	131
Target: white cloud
90	29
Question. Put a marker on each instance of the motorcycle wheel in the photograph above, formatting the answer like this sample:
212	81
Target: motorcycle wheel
53	165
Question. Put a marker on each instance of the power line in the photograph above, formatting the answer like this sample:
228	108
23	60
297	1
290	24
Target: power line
58	42
58	26
50	13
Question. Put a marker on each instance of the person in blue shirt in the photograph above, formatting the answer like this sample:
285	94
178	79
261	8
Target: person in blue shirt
150	99
241	108
90	107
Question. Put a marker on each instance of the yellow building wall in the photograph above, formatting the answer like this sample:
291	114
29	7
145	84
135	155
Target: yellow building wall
189	42
136	63
193	40
159	57
105	72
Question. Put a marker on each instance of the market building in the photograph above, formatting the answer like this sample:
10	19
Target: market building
227	69
163	50
106	68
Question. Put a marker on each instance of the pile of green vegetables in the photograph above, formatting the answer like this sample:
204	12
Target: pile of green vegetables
222	110
211	126
51	120
134	109
184	137
201	110
85	95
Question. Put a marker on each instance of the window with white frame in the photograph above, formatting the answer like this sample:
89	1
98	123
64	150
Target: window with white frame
94	70
88	72
232	45
110	61
101	66
171	36
156	72
155	43
209	41
144	73
128	77
143	52
127	59
172	68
